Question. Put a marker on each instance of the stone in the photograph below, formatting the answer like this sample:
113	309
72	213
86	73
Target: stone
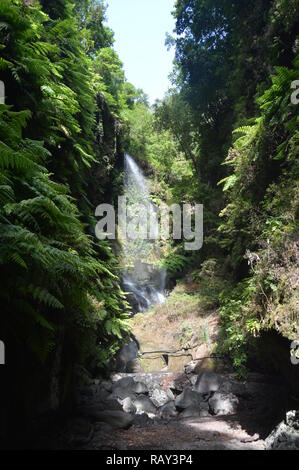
144	405
160	397
106	385
142	420
128	405
170	394
223	404
168	410
233	386
179	383
127	386
101	395
121	393
124	382
204	413
208	382
140	388
112	404
190	367
187	399
286	435
193	380
127	354
190	412
204	405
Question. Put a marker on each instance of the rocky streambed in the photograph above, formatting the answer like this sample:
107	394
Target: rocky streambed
181	411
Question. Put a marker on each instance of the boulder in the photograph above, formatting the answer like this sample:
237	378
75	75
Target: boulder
106	385
127	386
179	383
223	404
121	393
187	399
286	435
140	388
168	410
127	354
193	380
141	420
144	405
208	382
190	367
128	405
124	382
101	395
233	386
110	404
160	397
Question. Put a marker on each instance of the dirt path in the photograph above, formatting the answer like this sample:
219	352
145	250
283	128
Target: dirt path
210	433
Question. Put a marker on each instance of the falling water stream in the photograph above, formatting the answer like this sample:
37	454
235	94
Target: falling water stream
142	278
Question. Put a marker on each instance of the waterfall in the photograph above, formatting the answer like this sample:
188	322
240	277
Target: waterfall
142	278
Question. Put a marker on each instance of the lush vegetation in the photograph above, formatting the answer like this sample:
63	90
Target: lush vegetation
225	135
60	156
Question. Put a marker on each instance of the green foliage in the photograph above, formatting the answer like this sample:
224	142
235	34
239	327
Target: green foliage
69	111
261	221
175	263
225	97
47	261
210	280
55	60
